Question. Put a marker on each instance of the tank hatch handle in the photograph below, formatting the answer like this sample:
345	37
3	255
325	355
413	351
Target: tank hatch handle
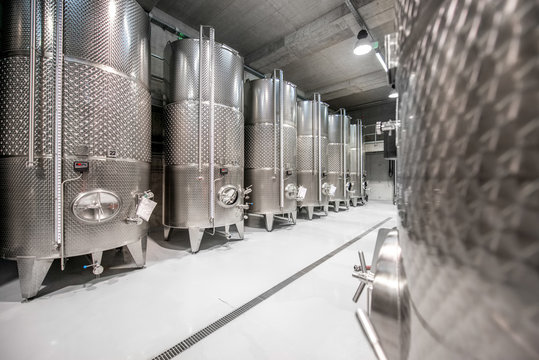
144	208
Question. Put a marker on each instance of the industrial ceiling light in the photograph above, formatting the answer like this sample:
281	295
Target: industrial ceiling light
363	45
393	94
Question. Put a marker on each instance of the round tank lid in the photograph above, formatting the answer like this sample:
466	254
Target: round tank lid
223	46
306	101
269	79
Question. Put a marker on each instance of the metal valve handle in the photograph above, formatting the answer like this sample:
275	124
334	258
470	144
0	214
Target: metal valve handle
365	276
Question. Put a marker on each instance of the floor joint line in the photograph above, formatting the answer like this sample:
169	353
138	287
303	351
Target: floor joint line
242	309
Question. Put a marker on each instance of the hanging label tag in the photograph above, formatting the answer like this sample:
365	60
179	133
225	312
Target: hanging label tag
145	208
332	190
302	191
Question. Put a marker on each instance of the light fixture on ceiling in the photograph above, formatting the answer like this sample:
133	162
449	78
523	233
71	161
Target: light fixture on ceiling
381	60
363	45
393	94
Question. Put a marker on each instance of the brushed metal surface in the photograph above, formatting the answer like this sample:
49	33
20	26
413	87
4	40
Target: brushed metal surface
186	190
307	149
185	205
181	71
337	149
468	177
102	111
262	169
266	185
355	155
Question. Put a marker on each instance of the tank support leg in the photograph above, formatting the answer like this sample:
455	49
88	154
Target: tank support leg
354	202
96	257
336	205
32	272
326	209
347	203
269	222
166	233
138	251
294	216
241	229
310	211
195	238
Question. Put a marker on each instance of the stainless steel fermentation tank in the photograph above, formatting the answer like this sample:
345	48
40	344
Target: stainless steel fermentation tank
339	158
312	157
357	157
270	147
459	277
203	175
86	107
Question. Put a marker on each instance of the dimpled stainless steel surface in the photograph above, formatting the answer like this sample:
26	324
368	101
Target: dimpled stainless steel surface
262	164
106	107
186	190
308	162
337	148
468	177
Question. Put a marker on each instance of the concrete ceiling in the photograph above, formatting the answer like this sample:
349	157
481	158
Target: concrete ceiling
311	41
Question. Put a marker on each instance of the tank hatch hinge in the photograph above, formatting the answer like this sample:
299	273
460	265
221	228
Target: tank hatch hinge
245	193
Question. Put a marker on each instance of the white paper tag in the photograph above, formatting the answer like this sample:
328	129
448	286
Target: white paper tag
332	190
302	191
145	208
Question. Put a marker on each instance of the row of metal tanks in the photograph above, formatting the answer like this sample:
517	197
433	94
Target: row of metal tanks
232	147
75	137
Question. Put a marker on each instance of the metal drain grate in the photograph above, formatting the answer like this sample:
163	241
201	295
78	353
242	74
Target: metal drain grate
201	334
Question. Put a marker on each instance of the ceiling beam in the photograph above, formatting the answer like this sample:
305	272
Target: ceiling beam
329	29
358	84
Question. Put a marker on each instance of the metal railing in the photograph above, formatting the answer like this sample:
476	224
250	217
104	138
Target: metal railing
369	133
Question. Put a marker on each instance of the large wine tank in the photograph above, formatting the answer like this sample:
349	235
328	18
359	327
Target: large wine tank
357	158
339	158
459	277
270	147
313	154
75	132
203	175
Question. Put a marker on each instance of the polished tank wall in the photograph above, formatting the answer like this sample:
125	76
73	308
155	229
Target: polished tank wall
106	121
186	173
312	141
338	155
262	145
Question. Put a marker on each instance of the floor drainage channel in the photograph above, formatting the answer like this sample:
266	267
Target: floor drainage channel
201	334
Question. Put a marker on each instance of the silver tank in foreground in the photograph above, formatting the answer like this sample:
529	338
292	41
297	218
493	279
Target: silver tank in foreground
270	147
88	147
203	175
339	159
459	277
357	157
313	154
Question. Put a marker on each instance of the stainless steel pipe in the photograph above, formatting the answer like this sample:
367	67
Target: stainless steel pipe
31	82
